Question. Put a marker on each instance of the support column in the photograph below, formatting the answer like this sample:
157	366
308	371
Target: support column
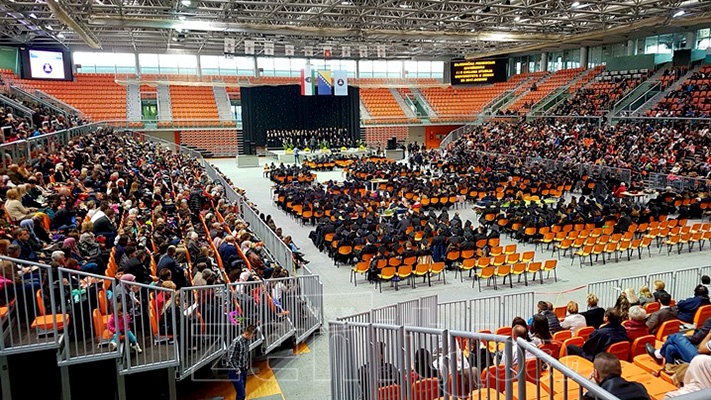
5	379
690	40
584	57
543	65
172	392
256	70
199	66
66	386
138	65
120	384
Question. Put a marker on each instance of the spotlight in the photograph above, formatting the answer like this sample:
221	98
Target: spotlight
186	3
679	13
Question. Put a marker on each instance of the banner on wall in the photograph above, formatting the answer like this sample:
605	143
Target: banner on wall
308	51
381	51
325	83
229	45
289	50
307	81
269	48
327	52
340	83
363	51
249	47
345	51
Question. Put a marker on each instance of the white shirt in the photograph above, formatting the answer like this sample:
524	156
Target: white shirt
573	322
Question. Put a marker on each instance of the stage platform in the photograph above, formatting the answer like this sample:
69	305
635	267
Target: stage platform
281	156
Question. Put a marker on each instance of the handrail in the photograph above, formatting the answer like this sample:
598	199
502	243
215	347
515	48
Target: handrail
17	106
656	88
36	99
59	103
626	96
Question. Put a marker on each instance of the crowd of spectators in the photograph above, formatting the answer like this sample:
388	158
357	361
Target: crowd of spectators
678	149
689	100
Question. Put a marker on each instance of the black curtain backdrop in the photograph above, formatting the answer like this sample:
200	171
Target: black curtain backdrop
283	107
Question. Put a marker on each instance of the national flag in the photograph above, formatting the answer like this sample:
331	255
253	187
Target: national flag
307	82
325	83
340	83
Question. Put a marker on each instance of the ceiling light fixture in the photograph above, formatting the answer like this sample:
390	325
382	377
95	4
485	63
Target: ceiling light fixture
405	5
186	3
676	14
60	35
49	27
33	16
518	18
181	17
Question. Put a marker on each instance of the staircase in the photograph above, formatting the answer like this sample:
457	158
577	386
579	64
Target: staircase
165	109
639	95
653	100
21	93
401	102
224	110
423	102
133	102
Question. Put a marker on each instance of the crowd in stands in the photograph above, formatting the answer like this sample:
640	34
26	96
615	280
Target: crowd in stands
689	100
314	139
111	205
680	149
595	99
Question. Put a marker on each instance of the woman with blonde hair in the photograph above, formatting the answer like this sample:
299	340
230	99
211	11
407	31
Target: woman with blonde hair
631	296
645	295
14	207
573	321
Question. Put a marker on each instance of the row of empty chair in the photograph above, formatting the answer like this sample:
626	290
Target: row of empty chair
219	142
544	88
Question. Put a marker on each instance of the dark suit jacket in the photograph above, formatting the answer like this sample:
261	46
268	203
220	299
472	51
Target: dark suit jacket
621	388
601	338
656	319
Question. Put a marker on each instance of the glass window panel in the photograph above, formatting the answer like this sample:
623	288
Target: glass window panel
266	63
148	62
703	44
380	66
207	62
244	63
411	68
424	66
365	66
84	58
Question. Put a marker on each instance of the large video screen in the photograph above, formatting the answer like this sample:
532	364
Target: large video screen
46	64
478	72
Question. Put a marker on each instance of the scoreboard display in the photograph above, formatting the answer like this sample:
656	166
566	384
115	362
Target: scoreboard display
478	72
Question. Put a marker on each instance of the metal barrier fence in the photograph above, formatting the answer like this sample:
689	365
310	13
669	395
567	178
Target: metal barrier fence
379	361
277	248
145	327
679	284
30	316
422	312
484	313
680	183
201	322
84	299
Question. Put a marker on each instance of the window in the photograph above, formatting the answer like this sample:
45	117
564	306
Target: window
149	63
365	68
91	62
703	39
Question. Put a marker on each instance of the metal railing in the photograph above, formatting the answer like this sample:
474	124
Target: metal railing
16	107
679	183
380	361
679	283
20	91
277	248
483	313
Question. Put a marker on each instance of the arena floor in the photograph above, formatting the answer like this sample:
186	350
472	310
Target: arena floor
306	375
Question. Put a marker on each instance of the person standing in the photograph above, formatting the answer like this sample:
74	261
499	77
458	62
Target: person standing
297	159
238	361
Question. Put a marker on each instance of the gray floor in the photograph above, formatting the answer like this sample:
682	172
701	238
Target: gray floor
307	376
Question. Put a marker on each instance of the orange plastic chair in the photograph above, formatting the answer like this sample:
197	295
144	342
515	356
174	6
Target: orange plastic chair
585	332
668	328
620	349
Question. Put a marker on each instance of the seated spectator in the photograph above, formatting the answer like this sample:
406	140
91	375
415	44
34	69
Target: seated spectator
622	305
386	373
696	378
423	367
518	331
706	281
607	371
14	208
540	330
687	308
645	296
659	289
612	332
594	316
665	313
679	346
574	320
553	322
635	325
631	297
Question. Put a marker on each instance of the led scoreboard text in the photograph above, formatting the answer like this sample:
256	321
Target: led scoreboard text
478	72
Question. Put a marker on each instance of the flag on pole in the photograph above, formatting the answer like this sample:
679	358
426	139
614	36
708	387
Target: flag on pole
307	82
325	83
340	83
